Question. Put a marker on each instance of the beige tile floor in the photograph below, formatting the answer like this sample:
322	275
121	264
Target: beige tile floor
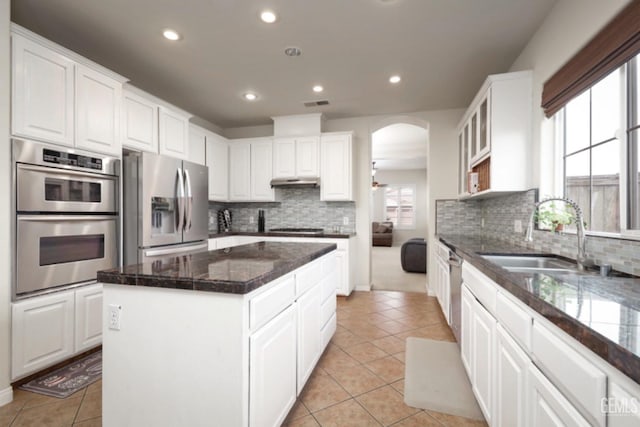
358	381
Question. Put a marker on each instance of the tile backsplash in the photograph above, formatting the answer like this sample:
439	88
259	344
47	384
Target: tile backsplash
294	207
495	217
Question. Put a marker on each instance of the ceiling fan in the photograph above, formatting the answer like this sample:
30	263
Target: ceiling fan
375	184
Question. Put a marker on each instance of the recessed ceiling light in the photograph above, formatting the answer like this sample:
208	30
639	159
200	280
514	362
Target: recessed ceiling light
268	16
318	88
394	79
250	96
170	34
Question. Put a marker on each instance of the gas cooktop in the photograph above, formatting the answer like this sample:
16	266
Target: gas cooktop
298	230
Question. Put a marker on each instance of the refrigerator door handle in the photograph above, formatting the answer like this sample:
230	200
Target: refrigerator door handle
188	201
179	201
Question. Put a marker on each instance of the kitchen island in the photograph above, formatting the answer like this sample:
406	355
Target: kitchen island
225	337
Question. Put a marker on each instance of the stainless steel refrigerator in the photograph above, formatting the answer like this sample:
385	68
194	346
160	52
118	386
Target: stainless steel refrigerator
165	207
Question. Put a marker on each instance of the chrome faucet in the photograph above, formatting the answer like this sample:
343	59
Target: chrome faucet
581	259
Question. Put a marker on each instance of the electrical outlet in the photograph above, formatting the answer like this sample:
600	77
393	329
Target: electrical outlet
517	226
345	220
250	220
114	312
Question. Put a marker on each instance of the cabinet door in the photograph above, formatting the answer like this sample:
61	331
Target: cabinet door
307	157
343	273
139	123
466	319
622	407
42	99
511	381
272	370
473	136
42	332
262	171
483	335
197	143
442	291
217	154
309	336
484	128
174	133
88	330
284	158
335	160
239	171
549	408
98	99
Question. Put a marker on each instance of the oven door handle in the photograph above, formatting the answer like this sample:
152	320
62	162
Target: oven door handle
53	218
97	176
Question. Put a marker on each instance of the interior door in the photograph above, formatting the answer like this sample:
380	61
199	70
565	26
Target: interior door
197	221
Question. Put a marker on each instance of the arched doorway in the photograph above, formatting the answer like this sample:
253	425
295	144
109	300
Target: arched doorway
398	203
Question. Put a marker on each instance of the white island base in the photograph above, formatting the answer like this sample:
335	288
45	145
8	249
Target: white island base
194	358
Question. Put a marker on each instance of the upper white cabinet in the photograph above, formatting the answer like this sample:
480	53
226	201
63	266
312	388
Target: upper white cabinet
336	164
494	136
197	144
217	159
61	97
296	157
139	122
174	132
250	170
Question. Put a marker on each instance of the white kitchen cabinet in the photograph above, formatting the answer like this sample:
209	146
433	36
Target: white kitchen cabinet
240	171
483	332
336	167
272	375
173	134
548	407
442	286
466	323
98	100
42	94
139	121
197	144
494	136
296	157
309	337
217	159
623	405
512	364
88	317
262	171
41	332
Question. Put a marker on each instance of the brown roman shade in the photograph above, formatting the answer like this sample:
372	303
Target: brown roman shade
615	44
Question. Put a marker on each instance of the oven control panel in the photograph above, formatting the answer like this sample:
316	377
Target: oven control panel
71	159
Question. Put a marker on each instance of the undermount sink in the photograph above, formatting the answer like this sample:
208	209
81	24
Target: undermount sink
533	264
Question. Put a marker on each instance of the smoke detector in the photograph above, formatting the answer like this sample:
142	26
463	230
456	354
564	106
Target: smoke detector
293	51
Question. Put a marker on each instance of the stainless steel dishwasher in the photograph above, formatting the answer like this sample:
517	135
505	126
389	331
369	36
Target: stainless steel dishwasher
455	287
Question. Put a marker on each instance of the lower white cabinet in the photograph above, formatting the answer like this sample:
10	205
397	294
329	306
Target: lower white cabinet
466	322
548	407
50	328
309	337
442	287
483	331
511	382
272	375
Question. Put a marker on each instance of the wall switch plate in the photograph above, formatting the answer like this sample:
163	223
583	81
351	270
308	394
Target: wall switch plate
517	226
345	220
114	311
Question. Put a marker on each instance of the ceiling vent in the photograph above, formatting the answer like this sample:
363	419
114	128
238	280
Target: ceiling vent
316	103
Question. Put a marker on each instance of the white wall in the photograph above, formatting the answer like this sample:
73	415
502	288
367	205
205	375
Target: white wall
417	177
5	220
568	27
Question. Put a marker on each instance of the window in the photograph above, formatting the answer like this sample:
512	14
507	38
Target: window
601	157
399	205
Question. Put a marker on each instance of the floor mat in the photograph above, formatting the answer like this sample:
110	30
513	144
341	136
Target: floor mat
67	380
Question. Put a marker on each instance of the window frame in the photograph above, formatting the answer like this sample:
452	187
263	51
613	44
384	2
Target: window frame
398	187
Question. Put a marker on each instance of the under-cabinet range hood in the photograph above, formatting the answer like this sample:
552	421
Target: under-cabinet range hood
295	182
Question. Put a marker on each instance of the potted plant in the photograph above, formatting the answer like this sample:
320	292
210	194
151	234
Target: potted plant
554	218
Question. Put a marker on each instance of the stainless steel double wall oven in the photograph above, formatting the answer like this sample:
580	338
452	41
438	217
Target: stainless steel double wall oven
66	216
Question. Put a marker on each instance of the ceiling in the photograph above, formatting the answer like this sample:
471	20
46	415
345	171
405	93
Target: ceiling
399	146
443	50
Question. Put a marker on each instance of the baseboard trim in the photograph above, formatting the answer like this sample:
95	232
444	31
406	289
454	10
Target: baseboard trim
364	288
6	396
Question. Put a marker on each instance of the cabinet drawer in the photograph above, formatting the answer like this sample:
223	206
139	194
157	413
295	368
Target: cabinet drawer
308	276
267	305
328	309
328	330
515	320
480	285
581	381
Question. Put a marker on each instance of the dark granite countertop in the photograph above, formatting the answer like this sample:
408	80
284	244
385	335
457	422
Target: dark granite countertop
237	270
325	235
602	313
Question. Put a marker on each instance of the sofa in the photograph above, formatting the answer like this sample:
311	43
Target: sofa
382	233
413	255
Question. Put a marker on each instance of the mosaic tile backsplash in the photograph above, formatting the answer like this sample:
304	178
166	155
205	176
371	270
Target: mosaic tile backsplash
495	217
295	207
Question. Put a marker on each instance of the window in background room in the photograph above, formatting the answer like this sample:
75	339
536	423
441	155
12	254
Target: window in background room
400	201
